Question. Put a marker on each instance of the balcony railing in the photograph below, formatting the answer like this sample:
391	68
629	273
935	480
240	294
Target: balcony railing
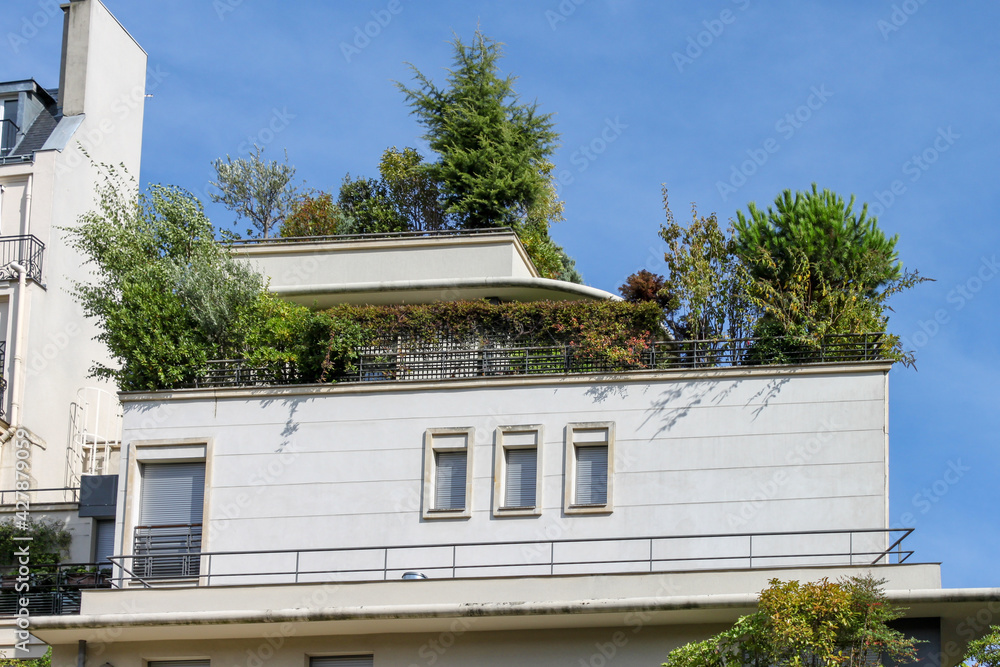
428	233
167	551
27	251
50	590
62	494
672	553
374	364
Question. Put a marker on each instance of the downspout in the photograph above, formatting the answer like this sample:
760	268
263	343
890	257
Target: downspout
26	220
81	653
16	372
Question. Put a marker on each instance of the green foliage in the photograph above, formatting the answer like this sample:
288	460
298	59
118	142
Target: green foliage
815	624
615	332
413	192
493	149
706	283
166	296
313	214
984	652
44	661
818	267
255	189
49	543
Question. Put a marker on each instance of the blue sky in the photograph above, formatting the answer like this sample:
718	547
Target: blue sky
725	101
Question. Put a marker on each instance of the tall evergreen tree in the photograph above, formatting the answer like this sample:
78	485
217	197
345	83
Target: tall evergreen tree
493	169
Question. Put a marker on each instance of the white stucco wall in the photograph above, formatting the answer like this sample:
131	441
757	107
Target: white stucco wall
735	452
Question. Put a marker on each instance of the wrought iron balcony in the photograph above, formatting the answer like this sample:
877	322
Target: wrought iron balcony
672	553
448	361
50	590
25	250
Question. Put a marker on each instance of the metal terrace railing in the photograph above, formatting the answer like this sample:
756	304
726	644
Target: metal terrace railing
25	250
167	551
430	233
50	590
672	553
411	362
65	494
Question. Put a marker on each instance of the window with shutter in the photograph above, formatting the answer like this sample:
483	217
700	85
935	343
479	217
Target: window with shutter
447	473
168	537
590	467
179	663
517	471
342	661
521	477
104	542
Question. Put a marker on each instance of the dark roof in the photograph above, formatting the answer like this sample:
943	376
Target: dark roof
38	133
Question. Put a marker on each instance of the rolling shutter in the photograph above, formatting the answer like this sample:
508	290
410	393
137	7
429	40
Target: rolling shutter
592	475
522	470
179	663
104	541
172	493
343	661
449	480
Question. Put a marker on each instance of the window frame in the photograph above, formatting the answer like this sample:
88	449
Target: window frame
500	469
574	441
430	471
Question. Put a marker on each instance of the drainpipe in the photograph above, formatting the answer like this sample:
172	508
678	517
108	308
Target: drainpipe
17	370
81	653
26	220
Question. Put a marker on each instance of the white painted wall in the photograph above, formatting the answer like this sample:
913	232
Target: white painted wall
721	453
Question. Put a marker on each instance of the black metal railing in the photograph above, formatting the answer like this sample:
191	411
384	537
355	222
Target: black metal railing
428	233
8	136
50	590
673	553
383	363
167	551
59	494
25	250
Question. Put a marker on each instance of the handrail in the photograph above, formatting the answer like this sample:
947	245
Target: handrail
380	569
3	492
405	360
280	240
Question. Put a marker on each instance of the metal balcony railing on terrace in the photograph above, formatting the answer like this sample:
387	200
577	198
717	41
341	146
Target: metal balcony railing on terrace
51	589
167	551
674	553
64	494
429	233
380	363
25	250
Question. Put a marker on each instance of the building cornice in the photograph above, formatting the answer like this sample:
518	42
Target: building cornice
622	377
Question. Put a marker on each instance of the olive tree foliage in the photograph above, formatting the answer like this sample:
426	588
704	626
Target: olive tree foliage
165	295
820	267
816	624
253	188
984	652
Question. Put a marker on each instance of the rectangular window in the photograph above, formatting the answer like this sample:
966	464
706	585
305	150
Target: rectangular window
168	537
342	661
517	481
448	473
590	467
8	126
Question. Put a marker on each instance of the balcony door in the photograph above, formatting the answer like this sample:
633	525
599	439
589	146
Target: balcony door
168	537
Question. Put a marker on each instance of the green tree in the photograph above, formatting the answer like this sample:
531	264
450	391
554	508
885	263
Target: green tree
413	192
493	148
984	652
817	266
255	189
313	214
50	542
165	295
817	624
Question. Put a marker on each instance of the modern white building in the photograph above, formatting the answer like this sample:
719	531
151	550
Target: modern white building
64	424
489	515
